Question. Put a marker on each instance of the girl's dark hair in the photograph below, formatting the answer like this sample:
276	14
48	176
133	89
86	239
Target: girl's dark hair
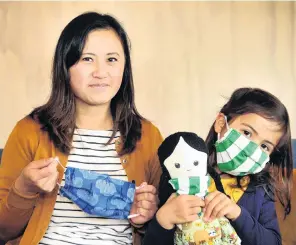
57	116
276	177
166	149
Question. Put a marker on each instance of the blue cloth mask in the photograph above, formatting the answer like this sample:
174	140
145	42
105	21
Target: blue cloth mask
98	194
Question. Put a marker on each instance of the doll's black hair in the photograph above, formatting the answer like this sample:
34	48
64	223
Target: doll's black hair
165	150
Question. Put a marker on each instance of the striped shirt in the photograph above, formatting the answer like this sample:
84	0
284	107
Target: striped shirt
69	224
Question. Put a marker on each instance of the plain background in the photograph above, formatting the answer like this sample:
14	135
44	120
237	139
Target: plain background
187	57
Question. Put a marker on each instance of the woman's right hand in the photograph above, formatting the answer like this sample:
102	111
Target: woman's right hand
37	177
178	210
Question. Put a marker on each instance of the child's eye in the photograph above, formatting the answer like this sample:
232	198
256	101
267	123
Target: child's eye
177	165
112	59
247	133
195	163
88	59
265	147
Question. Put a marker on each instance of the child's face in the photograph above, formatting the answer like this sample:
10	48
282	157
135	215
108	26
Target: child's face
186	161
260	130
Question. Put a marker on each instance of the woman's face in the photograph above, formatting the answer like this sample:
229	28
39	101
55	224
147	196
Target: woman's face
264	132
97	76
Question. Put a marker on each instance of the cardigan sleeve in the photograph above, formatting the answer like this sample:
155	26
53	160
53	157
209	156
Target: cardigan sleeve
264	230
154	165
15	208
154	169
157	235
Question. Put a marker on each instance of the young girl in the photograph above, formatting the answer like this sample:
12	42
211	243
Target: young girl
91	124
250	159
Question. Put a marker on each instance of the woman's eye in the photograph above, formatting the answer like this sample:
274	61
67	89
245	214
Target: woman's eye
247	133
88	59
112	59
177	165
265	147
195	163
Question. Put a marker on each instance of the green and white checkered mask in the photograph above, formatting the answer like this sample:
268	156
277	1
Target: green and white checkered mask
239	156
197	185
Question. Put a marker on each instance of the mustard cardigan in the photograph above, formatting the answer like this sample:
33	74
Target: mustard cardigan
24	219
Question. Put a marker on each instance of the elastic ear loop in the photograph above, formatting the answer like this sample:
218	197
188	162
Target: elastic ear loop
135	215
227	126
58	161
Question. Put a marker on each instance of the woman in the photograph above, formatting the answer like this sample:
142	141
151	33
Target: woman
90	123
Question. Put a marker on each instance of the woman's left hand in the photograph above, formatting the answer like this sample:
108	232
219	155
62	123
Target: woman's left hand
145	204
218	205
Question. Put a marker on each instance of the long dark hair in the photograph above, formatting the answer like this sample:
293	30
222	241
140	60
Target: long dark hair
276	177
57	116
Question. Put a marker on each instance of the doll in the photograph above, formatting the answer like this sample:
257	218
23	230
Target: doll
183	157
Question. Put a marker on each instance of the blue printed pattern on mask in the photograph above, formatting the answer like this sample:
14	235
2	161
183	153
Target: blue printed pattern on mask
98	194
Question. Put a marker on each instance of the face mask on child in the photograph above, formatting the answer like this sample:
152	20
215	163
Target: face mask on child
99	194
238	155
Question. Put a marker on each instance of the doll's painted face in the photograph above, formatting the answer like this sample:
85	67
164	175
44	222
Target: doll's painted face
186	161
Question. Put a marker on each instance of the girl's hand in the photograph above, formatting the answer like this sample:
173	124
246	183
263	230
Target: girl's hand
218	205
178	210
